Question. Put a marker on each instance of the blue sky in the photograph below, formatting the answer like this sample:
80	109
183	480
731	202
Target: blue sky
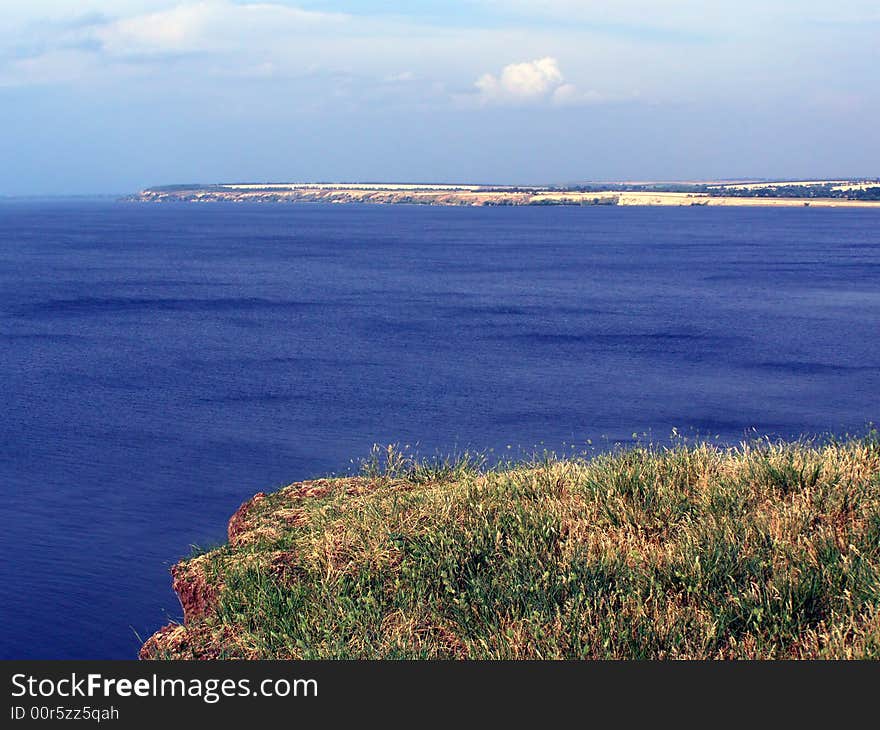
114	95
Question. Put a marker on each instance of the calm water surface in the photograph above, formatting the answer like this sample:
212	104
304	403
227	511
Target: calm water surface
159	365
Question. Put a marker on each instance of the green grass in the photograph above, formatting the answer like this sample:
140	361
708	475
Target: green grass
768	550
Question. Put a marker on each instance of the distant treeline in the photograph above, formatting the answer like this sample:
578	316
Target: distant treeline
770	190
578	201
183	188
634	188
820	190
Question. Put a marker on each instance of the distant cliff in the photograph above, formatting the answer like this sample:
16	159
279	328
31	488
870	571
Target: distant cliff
670	195
392	194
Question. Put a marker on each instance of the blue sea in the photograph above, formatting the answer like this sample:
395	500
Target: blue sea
161	364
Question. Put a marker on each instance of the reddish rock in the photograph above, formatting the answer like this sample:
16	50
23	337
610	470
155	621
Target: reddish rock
199	593
197	596
238	523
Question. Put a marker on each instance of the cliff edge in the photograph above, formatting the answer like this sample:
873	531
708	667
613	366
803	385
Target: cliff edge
764	551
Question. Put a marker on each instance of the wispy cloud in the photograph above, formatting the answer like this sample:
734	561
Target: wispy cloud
710	18
211	25
576	62
183	28
239	36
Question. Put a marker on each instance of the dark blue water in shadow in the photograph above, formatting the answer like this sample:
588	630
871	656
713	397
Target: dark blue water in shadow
159	365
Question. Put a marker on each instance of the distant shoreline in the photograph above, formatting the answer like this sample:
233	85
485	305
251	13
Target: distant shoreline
824	194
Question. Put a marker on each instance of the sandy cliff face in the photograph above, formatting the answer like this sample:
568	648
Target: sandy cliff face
339	195
474	197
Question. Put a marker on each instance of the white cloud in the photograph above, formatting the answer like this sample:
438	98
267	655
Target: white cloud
531	82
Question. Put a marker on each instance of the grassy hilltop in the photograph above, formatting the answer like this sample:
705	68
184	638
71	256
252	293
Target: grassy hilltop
767	550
